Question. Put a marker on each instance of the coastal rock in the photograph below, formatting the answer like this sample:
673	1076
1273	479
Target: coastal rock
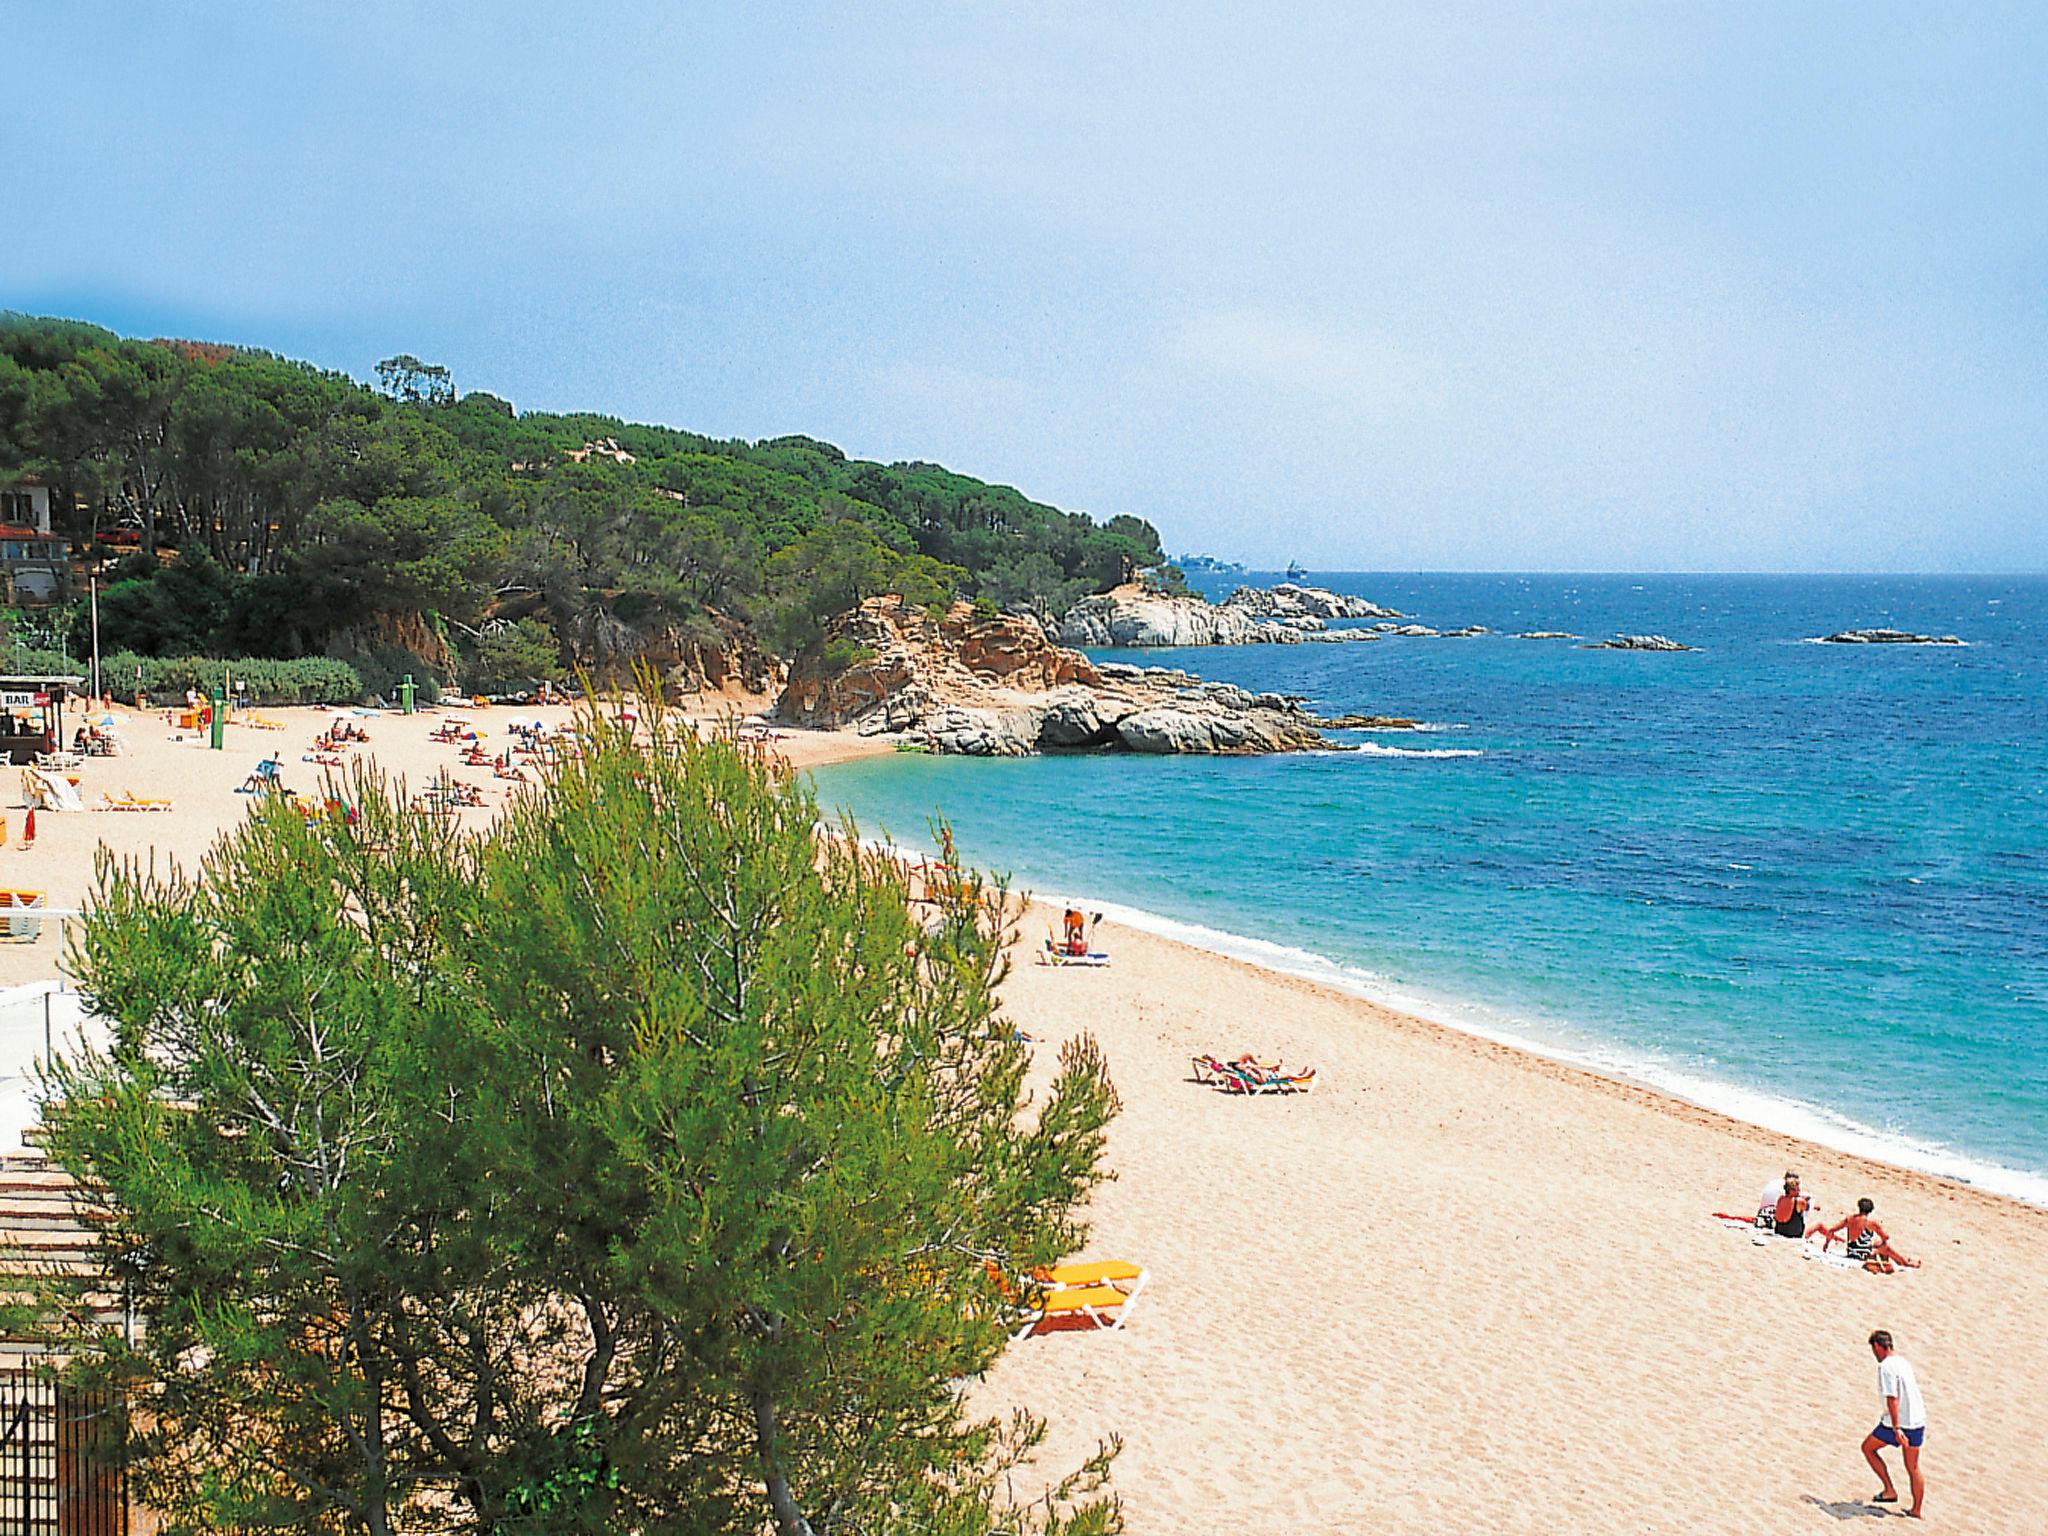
1203	728
1415	631
994	687
969	732
1282	615
1130	616
1637	643
1886	637
1368	723
886	664
1546	634
1467	632
1291	600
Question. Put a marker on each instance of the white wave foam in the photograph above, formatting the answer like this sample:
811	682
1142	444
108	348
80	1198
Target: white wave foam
1791	1117
1375	749
1754	1106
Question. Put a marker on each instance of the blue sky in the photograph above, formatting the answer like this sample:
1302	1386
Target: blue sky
1721	287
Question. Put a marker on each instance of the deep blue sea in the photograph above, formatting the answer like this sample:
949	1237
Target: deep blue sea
1807	884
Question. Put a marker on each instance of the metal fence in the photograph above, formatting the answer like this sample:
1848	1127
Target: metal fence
63	1459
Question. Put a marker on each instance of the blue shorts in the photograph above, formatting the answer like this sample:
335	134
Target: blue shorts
1886	1433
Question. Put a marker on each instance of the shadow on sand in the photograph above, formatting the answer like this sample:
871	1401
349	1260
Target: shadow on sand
1850	1509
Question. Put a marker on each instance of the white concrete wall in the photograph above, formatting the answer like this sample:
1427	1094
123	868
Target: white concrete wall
39	496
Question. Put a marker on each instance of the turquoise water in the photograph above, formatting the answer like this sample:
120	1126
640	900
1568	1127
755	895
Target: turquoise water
1805	883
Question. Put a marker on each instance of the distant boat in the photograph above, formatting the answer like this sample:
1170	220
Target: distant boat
1294	570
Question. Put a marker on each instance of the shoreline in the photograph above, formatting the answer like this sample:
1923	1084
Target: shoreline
1797	1123
1389	1011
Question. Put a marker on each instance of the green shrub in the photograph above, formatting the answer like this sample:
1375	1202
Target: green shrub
512	656
268	680
841	654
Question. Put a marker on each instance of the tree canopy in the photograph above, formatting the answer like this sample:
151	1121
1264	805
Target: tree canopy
641	1164
332	509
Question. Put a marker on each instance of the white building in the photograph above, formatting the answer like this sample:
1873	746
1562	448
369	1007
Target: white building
36	566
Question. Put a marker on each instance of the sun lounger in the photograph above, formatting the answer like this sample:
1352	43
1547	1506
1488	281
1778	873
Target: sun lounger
1100	1291
23	921
1125	1276
1258	1080
128	800
1102	1305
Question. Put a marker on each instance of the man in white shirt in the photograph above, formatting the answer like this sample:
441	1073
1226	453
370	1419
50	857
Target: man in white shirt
1904	1424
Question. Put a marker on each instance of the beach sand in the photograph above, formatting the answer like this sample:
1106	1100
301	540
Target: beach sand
1458	1288
162	763
1464	1288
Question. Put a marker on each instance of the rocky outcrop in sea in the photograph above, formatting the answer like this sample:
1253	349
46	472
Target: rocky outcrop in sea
1637	643
995	686
1886	637
1284	615
1291	600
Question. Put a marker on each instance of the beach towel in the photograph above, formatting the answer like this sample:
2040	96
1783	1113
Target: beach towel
49	791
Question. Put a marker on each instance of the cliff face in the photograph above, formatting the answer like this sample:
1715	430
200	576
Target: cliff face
1282	615
996	686
904	662
727	660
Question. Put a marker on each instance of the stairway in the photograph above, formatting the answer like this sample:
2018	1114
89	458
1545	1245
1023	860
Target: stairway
48	1232
57	1476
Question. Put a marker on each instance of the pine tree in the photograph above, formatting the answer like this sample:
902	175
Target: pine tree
646	1162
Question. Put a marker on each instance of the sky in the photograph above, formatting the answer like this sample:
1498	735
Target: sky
1434	287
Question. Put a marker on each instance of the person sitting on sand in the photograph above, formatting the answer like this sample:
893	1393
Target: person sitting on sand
1783	1209
1076	927
1865	1241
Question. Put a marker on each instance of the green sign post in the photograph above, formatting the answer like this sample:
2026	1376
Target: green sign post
219	734
405	694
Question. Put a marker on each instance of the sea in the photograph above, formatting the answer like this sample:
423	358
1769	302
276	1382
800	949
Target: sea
1805	884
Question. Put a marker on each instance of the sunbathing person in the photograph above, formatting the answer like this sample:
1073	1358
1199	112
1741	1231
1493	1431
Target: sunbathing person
1865	1241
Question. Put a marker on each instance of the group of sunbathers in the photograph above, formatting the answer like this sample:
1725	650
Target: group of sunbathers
1786	1211
1248	1074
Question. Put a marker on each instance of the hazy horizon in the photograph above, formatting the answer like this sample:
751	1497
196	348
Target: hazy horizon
1568	290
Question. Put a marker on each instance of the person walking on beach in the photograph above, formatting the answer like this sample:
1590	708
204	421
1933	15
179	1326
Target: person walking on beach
1904	1423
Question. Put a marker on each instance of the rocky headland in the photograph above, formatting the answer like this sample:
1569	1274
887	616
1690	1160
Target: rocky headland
1284	615
1885	637
994	685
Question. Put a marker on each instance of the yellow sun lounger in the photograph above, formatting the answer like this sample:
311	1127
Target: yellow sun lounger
1130	1277
128	800
1102	1305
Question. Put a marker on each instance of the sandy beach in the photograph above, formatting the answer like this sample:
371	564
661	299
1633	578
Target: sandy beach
1461	1287
159	762
1457	1288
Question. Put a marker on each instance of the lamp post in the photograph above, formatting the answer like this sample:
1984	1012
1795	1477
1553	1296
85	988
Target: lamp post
95	635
